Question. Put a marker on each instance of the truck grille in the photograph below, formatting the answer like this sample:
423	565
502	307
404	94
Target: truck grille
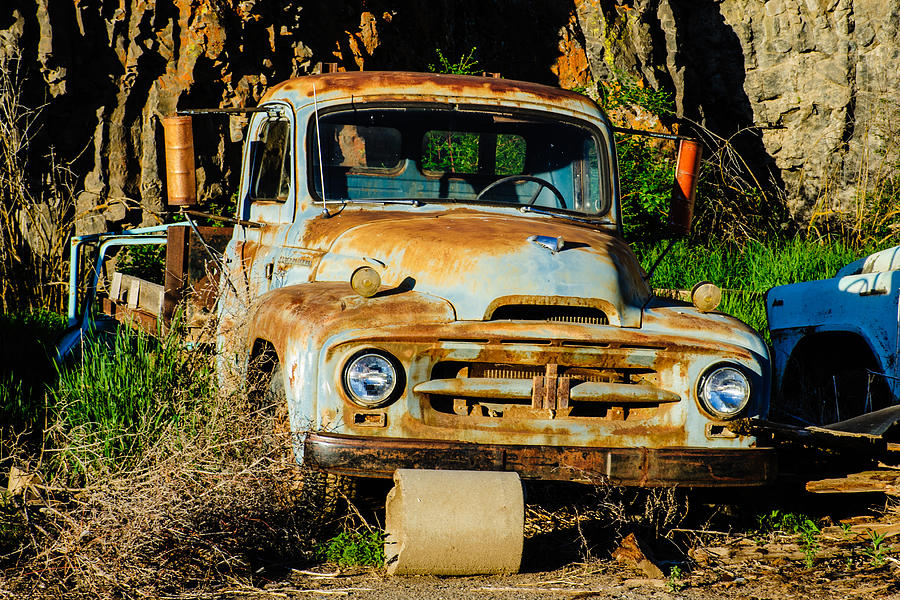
506	390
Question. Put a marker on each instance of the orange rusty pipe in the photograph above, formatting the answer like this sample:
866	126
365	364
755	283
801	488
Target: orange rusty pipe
687	170
181	183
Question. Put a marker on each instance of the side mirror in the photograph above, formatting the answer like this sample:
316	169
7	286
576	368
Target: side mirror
681	208
181	183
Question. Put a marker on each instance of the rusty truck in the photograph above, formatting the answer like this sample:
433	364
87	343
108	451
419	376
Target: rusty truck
435	267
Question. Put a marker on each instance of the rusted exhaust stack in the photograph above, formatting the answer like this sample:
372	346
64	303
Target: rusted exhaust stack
181	183
687	171
454	523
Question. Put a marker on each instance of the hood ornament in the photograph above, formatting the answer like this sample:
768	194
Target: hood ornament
553	244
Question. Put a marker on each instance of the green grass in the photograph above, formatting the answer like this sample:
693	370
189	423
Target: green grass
26	344
745	273
118	400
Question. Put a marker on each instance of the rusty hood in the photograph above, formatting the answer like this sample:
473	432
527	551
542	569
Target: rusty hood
478	260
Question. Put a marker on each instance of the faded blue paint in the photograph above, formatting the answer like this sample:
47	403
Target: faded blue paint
863	299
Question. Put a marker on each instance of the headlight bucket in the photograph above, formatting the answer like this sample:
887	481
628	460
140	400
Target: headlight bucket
724	391
371	378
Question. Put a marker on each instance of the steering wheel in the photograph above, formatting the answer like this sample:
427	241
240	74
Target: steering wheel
542	183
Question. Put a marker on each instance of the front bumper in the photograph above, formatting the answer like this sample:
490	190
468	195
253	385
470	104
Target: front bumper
644	467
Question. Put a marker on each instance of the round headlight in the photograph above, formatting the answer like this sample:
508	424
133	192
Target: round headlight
725	391
369	379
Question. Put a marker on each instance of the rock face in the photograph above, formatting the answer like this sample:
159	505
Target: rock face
106	71
810	85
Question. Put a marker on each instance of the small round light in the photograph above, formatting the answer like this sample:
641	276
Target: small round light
725	391
370	379
706	296
365	281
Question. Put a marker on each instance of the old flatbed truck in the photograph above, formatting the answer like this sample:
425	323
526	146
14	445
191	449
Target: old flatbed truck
436	267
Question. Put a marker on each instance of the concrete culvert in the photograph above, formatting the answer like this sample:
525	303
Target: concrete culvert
454	523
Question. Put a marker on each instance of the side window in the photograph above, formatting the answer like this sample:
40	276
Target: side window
271	175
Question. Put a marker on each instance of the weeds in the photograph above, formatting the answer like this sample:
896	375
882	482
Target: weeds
467	64
675	581
154	483
806	529
870	215
809	541
877	551
26	371
354	548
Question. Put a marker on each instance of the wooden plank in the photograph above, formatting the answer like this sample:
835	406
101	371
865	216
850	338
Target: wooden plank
878	481
137	294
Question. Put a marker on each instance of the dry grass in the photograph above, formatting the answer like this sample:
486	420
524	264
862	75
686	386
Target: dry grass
866	214
36	209
193	514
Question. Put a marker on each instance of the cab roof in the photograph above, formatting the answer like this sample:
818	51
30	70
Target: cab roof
399	86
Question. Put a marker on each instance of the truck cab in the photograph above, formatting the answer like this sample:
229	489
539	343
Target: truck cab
435	268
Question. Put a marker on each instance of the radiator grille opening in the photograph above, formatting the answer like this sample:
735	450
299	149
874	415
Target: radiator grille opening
540	312
511	403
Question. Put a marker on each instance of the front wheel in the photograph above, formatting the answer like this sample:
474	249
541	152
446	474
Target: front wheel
323	495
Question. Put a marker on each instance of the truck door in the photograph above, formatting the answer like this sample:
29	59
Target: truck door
268	197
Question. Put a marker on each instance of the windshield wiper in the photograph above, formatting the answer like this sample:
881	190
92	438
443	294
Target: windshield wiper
377	201
538	211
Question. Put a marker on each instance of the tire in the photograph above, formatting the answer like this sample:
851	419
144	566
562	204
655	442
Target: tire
319	494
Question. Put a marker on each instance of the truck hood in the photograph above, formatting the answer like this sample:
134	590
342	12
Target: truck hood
479	261
879	262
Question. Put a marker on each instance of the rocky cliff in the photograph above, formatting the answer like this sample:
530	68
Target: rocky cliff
808	90
805	90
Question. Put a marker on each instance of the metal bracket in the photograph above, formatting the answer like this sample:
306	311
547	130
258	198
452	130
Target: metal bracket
273	111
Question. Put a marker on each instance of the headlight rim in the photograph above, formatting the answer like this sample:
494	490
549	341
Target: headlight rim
396	389
705	403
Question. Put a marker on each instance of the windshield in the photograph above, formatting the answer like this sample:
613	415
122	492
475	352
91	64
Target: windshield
444	154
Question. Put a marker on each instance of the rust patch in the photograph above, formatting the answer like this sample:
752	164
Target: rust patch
645	467
363	83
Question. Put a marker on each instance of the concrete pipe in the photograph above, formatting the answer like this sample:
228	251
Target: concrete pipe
454	523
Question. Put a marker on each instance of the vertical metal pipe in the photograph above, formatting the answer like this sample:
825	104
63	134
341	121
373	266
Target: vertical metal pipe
181	183
684	191
74	258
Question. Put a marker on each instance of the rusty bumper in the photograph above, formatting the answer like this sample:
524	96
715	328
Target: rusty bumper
645	467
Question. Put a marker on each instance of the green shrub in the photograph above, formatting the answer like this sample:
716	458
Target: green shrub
645	176
624	92
144	261
646	165
354	548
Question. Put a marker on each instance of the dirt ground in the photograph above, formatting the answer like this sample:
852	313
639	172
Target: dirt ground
570	554
601	580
